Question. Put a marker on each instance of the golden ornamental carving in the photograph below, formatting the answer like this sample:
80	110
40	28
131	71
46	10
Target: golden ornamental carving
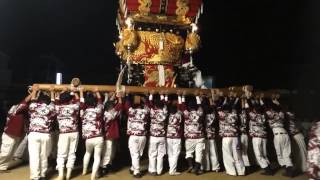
148	50
182	8
144	7
120	49
130	39
153	76
159	19
192	42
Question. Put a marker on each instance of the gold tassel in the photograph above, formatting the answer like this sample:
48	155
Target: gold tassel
192	42
130	39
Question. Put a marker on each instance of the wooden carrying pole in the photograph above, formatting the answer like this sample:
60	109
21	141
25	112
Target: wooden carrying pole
139	89
268	94
239	90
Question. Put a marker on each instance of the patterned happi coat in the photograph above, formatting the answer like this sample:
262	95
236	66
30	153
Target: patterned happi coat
137	121
209	125
42	116
67	116
174	128
243	116
314	152
193	123
257	125
275	119
228	124
158	118
92	120
291	124
111	120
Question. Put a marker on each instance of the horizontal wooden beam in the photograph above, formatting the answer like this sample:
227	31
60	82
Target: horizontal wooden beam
138	89
267	94
238	90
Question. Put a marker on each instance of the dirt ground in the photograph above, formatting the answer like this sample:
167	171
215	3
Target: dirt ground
22	172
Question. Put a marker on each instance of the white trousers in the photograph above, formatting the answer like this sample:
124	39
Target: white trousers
39	146
94	145
67	147
19	153
157	150
282	145
173	149
211	156
232	158
54	142
109	152
299	139
7	149
244	149
197	147
136	146
260	151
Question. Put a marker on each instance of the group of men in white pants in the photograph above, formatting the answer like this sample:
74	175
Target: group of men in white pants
238	121
166	123
195	119
13	140
63	108
171	121
265	113
99	130
13	151
229	130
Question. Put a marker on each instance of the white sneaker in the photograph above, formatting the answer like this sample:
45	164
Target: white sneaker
175	174
84	172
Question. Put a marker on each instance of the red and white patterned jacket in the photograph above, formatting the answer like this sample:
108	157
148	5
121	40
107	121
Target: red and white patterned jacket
91	120
257	125
291	124
228	124
67	116
314	152
158	121
111	118
137	120
23	106
275	119
243	122
42	116
174	129
209	125
193	123
15	124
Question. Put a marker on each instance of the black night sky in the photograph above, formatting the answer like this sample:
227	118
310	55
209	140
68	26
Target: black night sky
266	43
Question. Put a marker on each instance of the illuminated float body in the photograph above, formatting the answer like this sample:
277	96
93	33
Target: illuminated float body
156	37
